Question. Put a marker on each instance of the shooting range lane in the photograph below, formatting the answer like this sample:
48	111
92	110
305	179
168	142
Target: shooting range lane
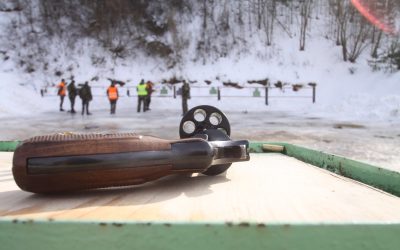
268	188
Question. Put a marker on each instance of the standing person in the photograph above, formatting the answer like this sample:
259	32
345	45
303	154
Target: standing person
185	96
142	95
72	92
112	93
85	93
61	92
150	90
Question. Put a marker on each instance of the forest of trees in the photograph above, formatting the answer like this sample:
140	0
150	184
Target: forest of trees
212	29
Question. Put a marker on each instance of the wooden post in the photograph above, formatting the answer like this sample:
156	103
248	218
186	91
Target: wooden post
219	94
174	92
266	95
313	93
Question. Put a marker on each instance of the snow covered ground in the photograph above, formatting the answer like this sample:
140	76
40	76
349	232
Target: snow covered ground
355	115
374	142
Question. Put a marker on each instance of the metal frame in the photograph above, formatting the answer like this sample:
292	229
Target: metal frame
43	234
8	146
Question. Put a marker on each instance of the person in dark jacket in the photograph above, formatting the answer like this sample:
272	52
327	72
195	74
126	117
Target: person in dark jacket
72	93
85	93
185	96
150	90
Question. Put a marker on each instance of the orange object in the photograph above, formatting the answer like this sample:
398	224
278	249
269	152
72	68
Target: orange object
61	89
368	11
112	93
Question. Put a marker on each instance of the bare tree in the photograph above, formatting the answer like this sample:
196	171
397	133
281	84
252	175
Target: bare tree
203	45
269	19
376	42
357	38
343	14
128	27
305	12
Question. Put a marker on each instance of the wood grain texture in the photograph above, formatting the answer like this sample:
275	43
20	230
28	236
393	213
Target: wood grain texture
86	144
268	188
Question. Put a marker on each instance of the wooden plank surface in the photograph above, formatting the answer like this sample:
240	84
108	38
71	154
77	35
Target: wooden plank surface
269	188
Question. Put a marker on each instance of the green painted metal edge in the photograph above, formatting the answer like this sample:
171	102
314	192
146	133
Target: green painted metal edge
381	178
101	235
8	146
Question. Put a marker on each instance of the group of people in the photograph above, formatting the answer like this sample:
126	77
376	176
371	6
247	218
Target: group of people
85	93
144	91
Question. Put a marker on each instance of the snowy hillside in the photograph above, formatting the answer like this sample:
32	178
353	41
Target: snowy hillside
237	54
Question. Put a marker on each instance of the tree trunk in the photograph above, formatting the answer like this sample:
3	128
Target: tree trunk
305	10
376	45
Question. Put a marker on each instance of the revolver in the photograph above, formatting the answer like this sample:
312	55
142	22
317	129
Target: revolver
71	162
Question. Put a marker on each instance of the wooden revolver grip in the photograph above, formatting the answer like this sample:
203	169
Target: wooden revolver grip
68	162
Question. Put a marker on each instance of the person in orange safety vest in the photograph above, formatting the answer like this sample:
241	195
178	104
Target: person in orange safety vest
112	93
62	92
